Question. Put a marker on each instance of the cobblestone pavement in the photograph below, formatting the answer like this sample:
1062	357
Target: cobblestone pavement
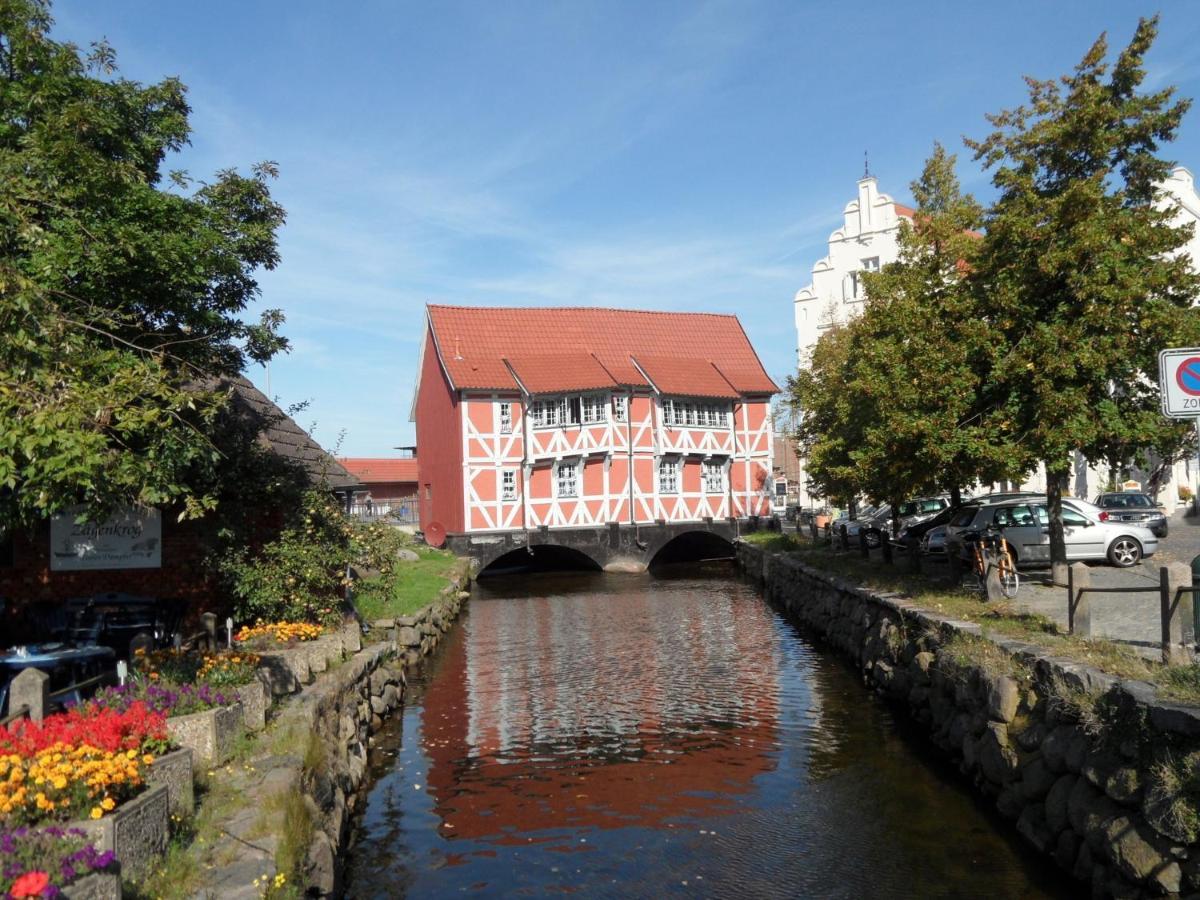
1130	618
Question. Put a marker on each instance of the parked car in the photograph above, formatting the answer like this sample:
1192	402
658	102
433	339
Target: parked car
1131	506
918	528
1025	525
933	541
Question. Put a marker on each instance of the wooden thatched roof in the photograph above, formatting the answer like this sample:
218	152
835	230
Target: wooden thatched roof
279	432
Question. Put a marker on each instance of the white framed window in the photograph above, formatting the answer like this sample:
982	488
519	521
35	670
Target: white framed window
714	477
505	418
668	476
871	264
568	479
690	409
593	408
619	408
668	409
508	485
547	413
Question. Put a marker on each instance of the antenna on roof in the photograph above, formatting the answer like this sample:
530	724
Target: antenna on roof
866	165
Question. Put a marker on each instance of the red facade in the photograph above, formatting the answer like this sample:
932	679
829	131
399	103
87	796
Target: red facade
651	416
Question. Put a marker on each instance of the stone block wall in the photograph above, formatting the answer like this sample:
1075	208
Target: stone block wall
1072	757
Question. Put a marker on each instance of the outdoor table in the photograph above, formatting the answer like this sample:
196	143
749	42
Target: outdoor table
50	658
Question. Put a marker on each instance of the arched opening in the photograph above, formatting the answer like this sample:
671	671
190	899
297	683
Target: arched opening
693	547
543	558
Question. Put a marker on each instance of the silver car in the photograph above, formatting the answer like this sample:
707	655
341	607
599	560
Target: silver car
1026	528
933	542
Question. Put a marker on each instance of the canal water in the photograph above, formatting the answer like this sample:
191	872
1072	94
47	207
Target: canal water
620	735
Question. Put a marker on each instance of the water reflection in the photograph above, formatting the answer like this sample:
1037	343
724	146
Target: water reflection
618	735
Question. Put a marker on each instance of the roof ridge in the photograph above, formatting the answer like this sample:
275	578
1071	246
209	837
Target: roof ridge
619	309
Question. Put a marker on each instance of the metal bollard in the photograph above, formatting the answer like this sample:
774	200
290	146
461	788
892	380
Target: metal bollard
1174	605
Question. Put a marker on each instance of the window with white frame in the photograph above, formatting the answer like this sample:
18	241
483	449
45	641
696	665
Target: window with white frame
546	413
505	418
695	415
714	476
568	479
593	408
668	476
619	407
871	264
508	485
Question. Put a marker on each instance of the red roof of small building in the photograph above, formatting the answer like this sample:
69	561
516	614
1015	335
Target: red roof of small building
381	469
907	211
481	348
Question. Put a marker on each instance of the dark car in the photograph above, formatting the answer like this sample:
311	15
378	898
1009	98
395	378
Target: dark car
919	529
1135	508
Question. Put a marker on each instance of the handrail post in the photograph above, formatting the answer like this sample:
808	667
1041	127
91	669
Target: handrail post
1079	605
30	689
885	547
1172	580
863	547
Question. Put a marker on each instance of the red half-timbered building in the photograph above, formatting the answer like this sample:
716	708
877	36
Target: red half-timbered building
571	417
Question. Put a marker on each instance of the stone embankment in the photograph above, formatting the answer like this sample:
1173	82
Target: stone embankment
298	801
1094	772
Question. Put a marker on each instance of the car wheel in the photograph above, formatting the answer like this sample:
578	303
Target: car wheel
873	539
1124	552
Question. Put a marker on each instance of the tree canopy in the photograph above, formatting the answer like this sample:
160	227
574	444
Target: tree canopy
1079	269
122	286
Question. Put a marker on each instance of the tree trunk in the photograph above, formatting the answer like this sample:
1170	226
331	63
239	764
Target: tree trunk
955	497
1058	542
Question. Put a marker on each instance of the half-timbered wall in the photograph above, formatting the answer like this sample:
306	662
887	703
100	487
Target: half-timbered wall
510	466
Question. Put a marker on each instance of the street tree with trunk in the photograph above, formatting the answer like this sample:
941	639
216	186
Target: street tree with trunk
122	286
1078	269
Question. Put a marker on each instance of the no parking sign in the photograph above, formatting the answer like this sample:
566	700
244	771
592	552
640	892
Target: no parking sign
1179	380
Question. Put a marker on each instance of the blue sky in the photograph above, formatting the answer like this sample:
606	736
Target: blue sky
689	156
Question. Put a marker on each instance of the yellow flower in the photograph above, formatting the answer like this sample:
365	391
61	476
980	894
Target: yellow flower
97	812
108	803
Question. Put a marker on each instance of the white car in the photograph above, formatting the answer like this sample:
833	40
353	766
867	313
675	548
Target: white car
1025	525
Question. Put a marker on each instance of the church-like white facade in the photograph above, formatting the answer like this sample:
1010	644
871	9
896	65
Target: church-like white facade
868	240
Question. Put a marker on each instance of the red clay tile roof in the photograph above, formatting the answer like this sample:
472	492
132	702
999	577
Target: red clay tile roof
907	211
474	342
377	469
554	372
690	377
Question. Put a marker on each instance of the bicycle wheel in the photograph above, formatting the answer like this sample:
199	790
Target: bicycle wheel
1010	582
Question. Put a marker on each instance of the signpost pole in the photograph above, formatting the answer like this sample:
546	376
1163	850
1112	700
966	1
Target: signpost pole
1196	492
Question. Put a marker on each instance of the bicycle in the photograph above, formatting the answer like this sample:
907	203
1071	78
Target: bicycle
1006	567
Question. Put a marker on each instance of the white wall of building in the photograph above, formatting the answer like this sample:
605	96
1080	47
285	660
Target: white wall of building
866	241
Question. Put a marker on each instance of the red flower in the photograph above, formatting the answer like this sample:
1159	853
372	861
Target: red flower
100	727
31	884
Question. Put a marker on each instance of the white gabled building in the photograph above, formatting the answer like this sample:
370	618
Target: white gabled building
865	242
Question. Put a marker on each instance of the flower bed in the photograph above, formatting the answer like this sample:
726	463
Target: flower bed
275	634
63	782
46	862
217	669
167	699
133	727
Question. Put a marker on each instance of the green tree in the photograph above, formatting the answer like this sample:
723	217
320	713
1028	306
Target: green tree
923	353
896	402
120	297
1079	265
829	425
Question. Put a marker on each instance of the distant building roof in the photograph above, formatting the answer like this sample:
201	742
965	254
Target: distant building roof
506	348
381	469
279	432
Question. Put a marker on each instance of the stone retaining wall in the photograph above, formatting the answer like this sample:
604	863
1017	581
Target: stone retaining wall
346	710
1073	757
